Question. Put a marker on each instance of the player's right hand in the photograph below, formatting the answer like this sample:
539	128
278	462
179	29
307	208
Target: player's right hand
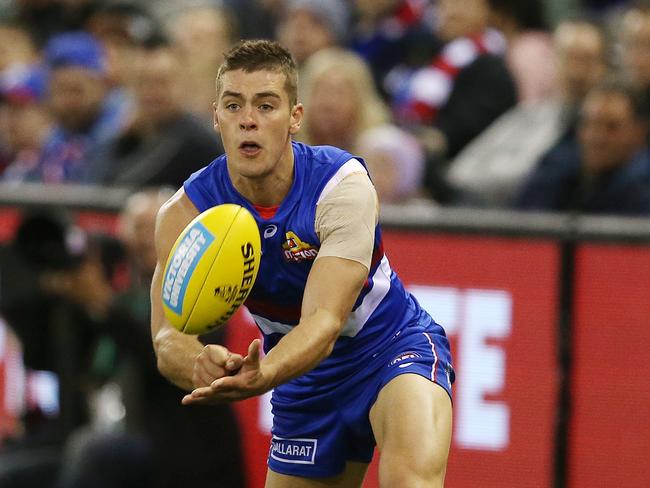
250	380
214	362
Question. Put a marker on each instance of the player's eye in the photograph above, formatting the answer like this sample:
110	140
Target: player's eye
265	107
232	106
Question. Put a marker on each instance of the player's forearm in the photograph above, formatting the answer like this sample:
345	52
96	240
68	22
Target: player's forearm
175	351
176	354
301	350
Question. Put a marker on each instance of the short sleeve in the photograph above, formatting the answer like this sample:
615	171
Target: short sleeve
346	219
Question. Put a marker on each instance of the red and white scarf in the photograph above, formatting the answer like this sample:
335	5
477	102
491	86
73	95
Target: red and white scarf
428	89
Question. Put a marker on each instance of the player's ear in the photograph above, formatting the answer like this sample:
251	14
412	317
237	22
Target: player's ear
215	119
297	113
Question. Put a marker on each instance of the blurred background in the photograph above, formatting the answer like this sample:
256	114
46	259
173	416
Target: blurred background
507	139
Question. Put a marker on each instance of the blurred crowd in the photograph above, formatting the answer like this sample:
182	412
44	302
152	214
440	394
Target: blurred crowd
453	102
82	404
474	103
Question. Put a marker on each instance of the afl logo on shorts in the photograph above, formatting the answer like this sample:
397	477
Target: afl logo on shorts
403	357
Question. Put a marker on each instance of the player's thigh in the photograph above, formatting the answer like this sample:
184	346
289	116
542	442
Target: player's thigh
352	477
411	421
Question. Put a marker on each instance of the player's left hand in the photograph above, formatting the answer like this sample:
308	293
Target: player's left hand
249	381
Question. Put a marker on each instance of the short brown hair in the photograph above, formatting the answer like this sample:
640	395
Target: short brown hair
262	54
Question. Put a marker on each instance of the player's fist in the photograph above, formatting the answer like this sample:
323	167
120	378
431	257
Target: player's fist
248	380
214	362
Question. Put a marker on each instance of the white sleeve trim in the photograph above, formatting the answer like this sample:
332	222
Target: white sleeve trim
351	166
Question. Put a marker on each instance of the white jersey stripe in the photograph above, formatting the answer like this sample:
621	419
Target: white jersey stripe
357	319
270	327
381	285
352	166
435	357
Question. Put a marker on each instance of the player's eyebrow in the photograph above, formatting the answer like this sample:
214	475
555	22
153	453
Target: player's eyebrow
257	96
267	95
232	94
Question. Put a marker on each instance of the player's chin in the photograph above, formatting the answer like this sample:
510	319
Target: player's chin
253	169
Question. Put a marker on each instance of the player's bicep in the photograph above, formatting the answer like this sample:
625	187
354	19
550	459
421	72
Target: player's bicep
346	219
345	223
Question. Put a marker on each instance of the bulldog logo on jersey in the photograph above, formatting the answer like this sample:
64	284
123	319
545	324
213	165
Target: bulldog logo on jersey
296	251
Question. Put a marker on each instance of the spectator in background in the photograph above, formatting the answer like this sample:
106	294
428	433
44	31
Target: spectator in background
340	99
395	161
360	122
307	26
465	87
16	46
174	444
60	287
392	33
28	123
30	398
607	169
635	45
17	53
47	18
162	142
122	28
87	114
12	379
582	54
529	52
257	19
55	336
18	468
489	170
201	34
602	8
136	225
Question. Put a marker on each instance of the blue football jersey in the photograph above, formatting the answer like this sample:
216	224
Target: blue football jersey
290	245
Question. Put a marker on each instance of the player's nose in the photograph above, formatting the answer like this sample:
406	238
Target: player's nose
247	120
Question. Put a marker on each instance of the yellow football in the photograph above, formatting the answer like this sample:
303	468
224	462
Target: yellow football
211	269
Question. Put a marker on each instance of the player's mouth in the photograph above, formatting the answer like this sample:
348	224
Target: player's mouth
250	148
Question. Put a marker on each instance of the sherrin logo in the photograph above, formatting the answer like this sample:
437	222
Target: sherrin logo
296	250
239	293
226	292
186	255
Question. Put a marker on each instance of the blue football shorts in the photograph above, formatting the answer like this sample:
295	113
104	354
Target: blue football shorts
315	432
